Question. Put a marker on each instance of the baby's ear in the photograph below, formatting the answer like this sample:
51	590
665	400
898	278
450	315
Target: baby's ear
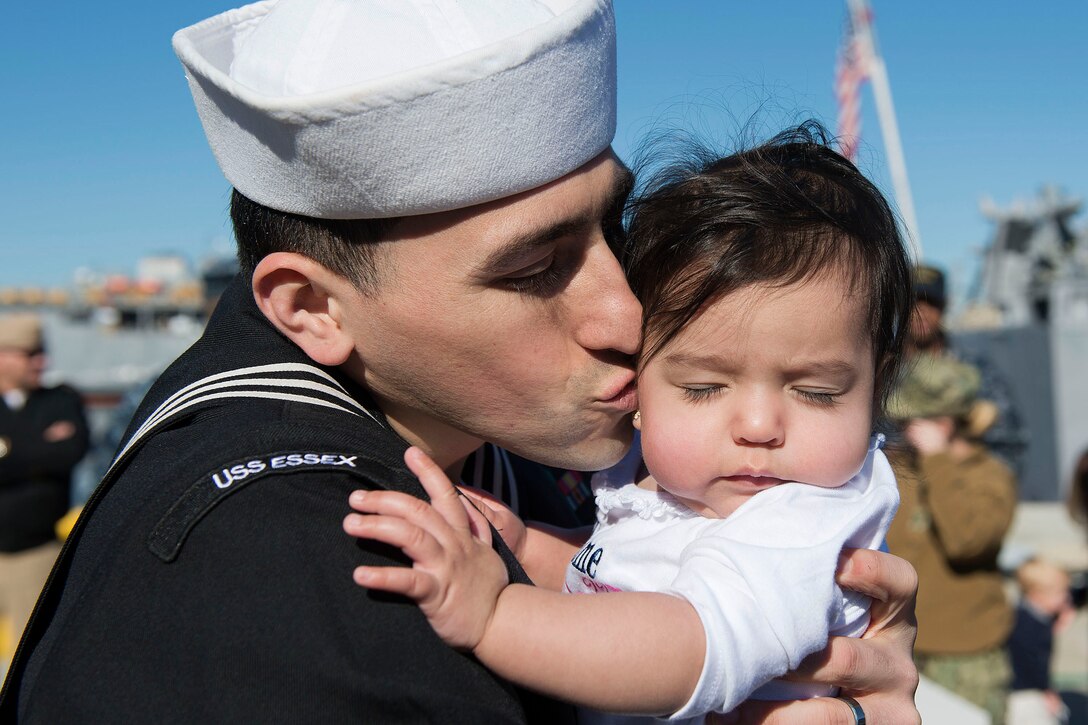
303	299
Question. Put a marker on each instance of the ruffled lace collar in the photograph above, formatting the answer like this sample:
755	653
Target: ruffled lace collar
617	493
647	505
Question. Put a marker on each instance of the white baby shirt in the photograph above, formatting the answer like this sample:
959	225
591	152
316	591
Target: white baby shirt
762	580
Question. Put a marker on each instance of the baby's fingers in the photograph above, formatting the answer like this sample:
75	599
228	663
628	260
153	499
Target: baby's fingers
402	506
416	543
495	513
479	523
444	496
410	583
390	503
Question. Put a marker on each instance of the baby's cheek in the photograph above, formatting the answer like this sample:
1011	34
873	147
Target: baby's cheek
670	456
834	463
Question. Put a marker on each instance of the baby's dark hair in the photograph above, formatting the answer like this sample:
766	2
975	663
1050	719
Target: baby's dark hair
777	214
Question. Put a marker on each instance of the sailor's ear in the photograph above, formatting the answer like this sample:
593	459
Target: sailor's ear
303	299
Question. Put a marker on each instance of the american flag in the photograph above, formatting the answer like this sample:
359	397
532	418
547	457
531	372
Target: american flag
851	71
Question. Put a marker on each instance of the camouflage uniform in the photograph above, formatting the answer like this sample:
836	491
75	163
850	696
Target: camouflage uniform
979	678
954	513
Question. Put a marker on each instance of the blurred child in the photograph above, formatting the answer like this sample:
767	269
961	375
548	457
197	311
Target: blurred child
776	293
1044	610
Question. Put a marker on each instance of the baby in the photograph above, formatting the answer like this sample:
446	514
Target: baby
775	292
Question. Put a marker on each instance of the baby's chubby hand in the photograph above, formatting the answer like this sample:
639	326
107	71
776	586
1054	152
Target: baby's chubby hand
510	527
456	577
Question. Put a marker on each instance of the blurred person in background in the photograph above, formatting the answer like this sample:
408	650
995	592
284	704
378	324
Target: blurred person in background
957	503
43	434
1045	609
1006	435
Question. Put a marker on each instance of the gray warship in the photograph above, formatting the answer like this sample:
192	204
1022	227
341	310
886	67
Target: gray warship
1025	318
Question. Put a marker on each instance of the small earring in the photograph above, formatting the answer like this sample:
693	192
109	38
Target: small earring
637	417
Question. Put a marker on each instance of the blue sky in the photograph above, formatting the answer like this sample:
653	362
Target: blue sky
104	160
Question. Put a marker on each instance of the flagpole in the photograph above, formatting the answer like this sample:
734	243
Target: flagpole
860	16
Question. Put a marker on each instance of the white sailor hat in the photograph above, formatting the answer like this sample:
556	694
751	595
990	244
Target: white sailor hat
346	109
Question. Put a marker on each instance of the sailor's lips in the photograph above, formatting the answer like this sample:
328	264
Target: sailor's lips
622	396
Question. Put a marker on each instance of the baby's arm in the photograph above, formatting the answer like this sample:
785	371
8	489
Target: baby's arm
548	550
610	652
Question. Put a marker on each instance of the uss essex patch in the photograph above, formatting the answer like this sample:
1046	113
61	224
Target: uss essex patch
166	539
227	477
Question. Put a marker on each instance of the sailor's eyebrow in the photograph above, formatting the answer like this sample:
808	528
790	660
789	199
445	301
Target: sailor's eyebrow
517	247
514	250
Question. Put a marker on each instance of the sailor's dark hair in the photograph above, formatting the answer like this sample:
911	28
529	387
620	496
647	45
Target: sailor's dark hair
344	246
776	214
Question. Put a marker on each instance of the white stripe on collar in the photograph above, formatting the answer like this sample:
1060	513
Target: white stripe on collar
199	392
